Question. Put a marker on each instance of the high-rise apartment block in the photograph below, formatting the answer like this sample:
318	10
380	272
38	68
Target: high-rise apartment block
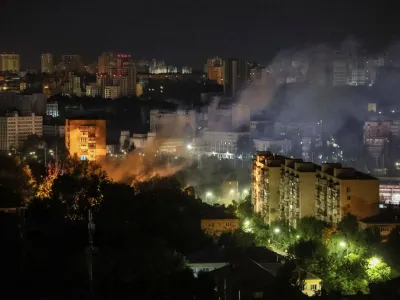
9	62
290	189
85	138
47	63
93	90
297	190
112	92
215	69
15	129
72	62
267	170
117	70
236	75
340	191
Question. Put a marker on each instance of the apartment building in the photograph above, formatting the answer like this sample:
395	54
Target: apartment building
15	129
297	190
290	189
85	137
340	191
266	184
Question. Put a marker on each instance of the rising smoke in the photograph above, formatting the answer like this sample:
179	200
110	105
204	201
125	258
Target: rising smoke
271	97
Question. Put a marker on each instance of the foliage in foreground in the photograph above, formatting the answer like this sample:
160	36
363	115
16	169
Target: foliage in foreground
345	257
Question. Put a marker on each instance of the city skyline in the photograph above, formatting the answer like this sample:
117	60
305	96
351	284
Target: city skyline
186	33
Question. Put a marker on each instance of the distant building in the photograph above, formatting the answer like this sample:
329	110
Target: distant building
47	63
93	90
180	123
186	70
54	130
52	109
85	137
112	92
25	104
72	63
384	223
215	69
219	226
389	190
221	143
236	76
9	62
273	145
15	129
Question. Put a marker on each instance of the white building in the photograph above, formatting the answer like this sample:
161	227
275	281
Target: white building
112	92
275	146
93	90
15	129
220	143
52	109
153	143
180	123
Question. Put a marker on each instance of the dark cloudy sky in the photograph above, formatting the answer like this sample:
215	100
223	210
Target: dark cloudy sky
186	32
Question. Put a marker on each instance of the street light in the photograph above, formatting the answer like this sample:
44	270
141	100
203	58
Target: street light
344	245
190	147
374	262
277	230
208	194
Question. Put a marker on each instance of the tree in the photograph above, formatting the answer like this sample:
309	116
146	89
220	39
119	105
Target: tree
17	184
245	147
126	145
31	144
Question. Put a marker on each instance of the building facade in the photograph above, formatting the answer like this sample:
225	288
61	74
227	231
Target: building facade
341	191
9	62
219	226
85	138
47	63
266	184
180	123
290	189
15	129
297	190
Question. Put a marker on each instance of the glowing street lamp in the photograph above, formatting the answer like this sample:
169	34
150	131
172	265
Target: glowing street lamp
208	194
190	147
374	262
344	245
277	230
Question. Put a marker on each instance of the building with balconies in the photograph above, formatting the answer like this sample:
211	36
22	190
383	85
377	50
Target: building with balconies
297	190
340	191
266	184
85	137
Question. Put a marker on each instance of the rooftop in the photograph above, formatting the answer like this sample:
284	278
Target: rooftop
386	217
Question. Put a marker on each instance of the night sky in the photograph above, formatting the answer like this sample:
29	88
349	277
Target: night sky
187	32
